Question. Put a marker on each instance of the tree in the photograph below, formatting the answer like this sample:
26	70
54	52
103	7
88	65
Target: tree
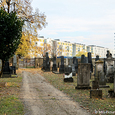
47	48
10	35
81	53
56	49
33	22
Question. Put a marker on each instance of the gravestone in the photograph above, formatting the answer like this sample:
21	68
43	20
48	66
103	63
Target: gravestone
108	55
73	70
99	74
95	85
6	70
75	62
54	68
44	63
61	69
83	77
112	91
47	67
83	59
109	67
13	70
97	57
90	60
68	74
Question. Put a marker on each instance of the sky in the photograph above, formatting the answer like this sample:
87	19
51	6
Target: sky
90	22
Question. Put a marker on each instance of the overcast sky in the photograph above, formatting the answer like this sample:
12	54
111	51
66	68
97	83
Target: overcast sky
90	22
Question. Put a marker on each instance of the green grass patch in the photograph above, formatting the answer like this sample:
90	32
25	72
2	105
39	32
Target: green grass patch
11	105
82	96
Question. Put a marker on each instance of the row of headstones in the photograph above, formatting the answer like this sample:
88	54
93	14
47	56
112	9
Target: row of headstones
84	70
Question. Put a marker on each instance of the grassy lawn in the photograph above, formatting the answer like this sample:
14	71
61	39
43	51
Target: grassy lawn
82	96
10	104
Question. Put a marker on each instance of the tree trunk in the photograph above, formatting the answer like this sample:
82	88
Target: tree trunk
3	62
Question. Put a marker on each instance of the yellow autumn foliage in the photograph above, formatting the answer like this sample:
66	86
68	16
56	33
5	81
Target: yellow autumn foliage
33	21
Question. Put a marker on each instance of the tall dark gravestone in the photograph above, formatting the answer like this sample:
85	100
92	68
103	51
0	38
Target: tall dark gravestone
54	68
90	61
97	58
75	62
47	68
6	70
73	70
61	69
44	63
83	59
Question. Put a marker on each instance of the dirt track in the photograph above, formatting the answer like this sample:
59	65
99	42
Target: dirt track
41	98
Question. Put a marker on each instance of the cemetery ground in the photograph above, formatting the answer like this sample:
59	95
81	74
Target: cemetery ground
11	103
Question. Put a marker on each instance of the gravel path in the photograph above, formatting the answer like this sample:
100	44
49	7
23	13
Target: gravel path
41	98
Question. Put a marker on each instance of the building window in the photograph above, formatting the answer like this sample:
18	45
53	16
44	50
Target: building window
83	47
78	49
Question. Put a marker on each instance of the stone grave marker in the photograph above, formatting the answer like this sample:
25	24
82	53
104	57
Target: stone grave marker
112	91
54	68
99	74
68	74
90	60
73	70
47	68
97	57
95	85
75	62
61	69
83	77
6	70
109	67
83	59
44	63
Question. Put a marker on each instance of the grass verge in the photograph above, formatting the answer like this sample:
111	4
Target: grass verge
10	104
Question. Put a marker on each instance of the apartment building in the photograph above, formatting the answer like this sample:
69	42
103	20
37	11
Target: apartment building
98	50
65	48
77	47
